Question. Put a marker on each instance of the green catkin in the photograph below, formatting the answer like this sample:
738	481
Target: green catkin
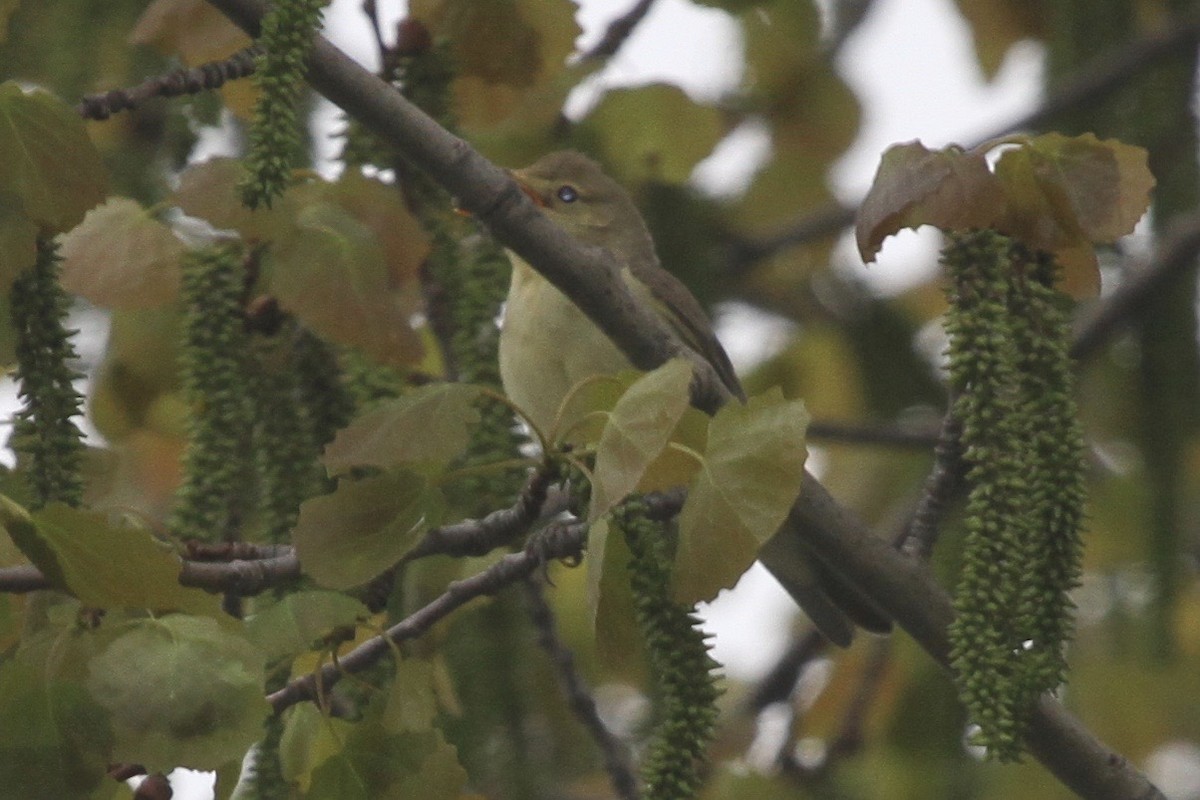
45	436
215	383
686	712
322	387
285	445
1058	474
276	138
1022	447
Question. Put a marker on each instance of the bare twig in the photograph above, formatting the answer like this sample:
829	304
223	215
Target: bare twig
849	738
579	696
554	542
478	537
1177	252
889	435
617	32
941	486
779	682
203	78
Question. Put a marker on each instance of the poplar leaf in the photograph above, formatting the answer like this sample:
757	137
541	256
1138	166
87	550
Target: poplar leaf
753	467
914	186
18	240
346	538
430	424
104	564
55	740
181	691
619	642
47	160
636	432
330	271
294	624
121	258
655	132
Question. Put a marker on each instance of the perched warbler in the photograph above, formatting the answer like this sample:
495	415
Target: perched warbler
547	345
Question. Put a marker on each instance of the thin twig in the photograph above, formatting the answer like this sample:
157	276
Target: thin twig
554	542
780	681
617	33
479	537
579	696
203	78
889	435
1177	252
943	483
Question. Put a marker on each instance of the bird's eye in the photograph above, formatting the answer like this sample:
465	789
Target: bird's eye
568	193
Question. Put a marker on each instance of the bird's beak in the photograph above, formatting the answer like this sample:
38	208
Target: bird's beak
522	185
527	189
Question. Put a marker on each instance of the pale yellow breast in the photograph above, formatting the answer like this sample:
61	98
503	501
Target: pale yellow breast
547	346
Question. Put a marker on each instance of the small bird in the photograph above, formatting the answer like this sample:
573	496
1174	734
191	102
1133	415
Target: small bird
547	345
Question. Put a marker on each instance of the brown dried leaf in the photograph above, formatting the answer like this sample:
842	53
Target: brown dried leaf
951	189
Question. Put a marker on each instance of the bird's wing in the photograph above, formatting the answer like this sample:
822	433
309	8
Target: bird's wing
679	305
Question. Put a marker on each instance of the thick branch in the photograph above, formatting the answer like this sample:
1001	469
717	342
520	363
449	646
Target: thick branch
899	585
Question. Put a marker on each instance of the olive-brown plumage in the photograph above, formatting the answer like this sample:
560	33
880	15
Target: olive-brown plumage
548	345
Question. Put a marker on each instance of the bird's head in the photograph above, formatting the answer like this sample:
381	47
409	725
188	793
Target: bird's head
575	193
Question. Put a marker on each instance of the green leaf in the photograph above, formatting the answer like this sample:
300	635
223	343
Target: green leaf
18	240
1067	193
47	159
309	738
655	132
120	257
440	776
297	622
375	764
428	425
636	432
104	564
619	641
951	189
411	702
508	54
997	25
752	471
182	691
346	538
330	271
55	740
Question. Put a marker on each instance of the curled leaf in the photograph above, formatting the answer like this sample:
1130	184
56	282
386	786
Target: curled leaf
950	189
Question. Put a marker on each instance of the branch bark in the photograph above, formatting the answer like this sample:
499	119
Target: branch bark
901	586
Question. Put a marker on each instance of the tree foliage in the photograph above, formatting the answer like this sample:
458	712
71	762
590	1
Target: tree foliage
311	531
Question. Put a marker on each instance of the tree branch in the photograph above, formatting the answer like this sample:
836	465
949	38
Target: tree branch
553	543
899	585
1177	252
205	77
618	32
616	755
